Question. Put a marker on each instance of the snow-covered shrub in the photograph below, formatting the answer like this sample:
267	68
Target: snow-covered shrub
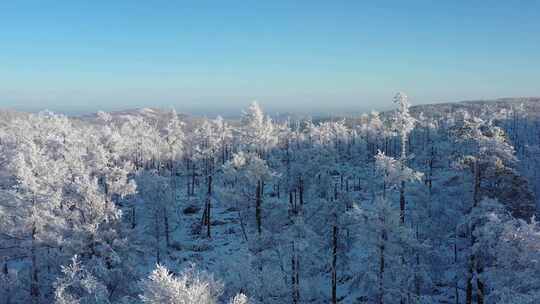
190	287
79	286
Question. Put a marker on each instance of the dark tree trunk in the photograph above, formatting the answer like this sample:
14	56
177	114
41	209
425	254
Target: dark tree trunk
209	207
158	239
477	182
34	285
297	277
301	193
291	203
294	276
133	218
475	262
258	203
381	261
479	284
192	181
456	285
469	287
402	203
334	263
166	223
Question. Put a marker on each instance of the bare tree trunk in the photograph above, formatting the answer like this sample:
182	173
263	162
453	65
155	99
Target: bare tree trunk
166	223
381	261
430	181
173	182
297	277
479	284
402	203
34	285
192	181
5	267
258	202
475	262
242	225
291	203
293	274
334	263
469	288
417	282
456	290
133	218
335	232
158	238
209	207
223	153
334	250
470	272
301	193
476	195
188	186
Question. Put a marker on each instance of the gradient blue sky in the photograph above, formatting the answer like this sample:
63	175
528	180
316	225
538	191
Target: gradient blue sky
289	55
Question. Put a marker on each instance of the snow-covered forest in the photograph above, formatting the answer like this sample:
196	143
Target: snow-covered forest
421	204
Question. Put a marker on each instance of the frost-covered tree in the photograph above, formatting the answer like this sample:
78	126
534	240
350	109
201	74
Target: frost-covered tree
55	199
174	139
249	170
142	142
35	212
490	154
239	299
508	250
157	205
257	133
225	138
10	286
375	134
190	287
384	247
394	174
404	124
513	277
78	286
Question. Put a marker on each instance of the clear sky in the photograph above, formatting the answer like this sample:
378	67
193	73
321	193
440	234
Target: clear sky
210	55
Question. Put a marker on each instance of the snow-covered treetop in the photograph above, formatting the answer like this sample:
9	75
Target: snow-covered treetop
394	171
191	287
373	126
258	132
174	134
404	121
240	299
104	116
248	165
491	144
254	115
79	286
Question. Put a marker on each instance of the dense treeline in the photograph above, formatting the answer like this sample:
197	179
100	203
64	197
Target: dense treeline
431	204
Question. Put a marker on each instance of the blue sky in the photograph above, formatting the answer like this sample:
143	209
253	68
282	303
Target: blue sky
289	55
